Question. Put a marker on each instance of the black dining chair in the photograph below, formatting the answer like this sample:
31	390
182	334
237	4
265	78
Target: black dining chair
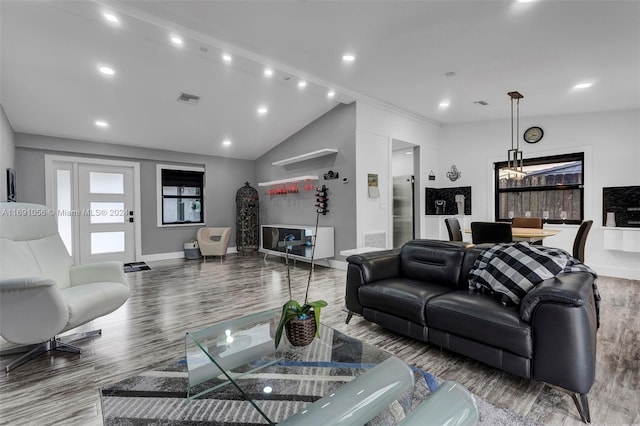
453	227
581	240
491	232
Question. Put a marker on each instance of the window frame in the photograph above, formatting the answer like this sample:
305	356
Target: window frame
161	197
559	158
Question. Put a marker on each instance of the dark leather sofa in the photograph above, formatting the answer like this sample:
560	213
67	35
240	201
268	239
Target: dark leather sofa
422	291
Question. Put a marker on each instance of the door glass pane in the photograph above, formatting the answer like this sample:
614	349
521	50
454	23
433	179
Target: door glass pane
63	203
106	183
107	242
107	212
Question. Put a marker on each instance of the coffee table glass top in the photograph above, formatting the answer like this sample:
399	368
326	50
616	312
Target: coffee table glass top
238	359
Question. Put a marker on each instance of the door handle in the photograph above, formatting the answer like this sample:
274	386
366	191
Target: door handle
130	220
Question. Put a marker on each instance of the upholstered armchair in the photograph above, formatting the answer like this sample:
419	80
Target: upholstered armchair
213	242
42	294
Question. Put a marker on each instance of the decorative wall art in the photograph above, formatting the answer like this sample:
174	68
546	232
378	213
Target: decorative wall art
454	173
372	182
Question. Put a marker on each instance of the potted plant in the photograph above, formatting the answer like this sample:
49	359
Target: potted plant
301	321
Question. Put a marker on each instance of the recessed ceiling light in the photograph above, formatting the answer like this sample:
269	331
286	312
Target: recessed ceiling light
582	85
262	110
302	84
106	70
226	57
268	72
111	18
226	142
331	93
409	153
177	40
348	57
525	1
101	123
443	104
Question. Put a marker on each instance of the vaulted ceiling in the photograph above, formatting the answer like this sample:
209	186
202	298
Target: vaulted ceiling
409	56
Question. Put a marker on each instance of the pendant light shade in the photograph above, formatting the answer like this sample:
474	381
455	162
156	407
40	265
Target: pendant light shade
515	162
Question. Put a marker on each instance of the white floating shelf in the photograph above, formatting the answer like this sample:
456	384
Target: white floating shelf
307	156
292	179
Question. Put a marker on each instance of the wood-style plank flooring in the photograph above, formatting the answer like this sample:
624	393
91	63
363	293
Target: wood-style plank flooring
180	295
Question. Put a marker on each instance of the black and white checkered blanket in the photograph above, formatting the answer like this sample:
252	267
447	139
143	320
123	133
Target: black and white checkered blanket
509	271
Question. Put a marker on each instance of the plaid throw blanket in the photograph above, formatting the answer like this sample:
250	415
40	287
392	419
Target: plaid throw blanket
509	271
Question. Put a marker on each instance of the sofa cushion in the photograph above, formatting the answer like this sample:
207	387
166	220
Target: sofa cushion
433	261
402	297
480	318
508	272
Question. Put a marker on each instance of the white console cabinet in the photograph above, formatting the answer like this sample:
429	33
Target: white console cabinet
275	239
622	239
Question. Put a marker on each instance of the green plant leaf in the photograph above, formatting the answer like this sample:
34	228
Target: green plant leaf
290	310
316	311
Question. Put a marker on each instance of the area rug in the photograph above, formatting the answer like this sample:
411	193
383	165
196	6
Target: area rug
136	266
158	397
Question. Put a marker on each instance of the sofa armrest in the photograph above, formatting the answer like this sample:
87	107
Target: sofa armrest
569	289
564	327
31	310
98	272
366	268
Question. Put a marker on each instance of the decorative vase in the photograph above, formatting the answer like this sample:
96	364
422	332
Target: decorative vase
301	332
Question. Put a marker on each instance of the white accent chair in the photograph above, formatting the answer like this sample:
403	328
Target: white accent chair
213	241
42	294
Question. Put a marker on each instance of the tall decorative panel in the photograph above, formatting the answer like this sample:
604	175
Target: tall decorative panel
247	235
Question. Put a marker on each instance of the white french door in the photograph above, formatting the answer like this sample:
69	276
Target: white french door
97	207
107	224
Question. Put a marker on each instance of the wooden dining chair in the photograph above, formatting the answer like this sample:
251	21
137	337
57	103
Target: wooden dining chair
581	240
453	227
528	222
491	232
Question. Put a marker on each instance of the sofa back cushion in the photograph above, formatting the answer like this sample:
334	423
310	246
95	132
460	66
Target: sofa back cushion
433	261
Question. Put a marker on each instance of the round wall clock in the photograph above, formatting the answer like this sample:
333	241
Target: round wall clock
533	134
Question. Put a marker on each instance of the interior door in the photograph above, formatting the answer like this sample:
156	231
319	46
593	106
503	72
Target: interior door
105	200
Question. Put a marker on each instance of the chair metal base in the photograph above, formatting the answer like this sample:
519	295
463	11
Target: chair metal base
61	344
582	404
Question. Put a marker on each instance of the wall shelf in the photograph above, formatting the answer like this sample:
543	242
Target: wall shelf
307	156
291	179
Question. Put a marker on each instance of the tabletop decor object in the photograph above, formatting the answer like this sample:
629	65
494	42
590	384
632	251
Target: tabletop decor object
301	320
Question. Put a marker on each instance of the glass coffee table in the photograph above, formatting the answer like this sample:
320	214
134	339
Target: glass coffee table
333	377
233	375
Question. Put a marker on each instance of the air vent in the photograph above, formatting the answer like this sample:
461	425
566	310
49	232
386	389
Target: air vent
186	98
483	103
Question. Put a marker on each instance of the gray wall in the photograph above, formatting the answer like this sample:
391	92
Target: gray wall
223	178
7	154
335	129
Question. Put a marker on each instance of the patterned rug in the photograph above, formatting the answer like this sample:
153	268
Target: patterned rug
158	397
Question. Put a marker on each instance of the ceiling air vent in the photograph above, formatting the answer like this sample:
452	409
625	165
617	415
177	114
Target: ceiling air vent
186	98
483	103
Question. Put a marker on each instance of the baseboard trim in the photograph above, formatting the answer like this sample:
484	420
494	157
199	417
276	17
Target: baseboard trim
173	255
617	272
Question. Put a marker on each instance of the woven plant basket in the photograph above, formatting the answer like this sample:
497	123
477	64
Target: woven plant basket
301	332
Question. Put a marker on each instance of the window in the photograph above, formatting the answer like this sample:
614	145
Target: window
182	196
552	189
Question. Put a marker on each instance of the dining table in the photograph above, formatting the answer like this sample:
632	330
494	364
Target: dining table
530	235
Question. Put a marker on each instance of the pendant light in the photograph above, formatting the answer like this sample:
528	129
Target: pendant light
515	161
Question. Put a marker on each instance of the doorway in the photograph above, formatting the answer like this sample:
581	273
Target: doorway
404	158
96	206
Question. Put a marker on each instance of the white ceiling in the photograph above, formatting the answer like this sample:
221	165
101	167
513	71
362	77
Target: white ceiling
51	51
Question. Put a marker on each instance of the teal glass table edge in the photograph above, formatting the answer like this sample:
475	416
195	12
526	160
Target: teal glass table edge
335	377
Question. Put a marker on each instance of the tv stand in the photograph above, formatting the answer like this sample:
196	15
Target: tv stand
300	242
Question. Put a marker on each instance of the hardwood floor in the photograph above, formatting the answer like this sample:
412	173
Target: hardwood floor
180	295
